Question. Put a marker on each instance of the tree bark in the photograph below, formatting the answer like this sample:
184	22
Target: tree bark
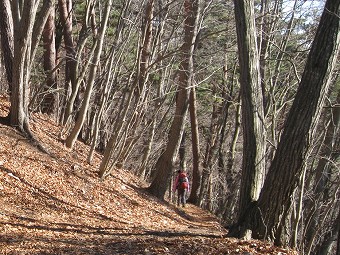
82	113
253	163
7	44
265	216
145	53
165	162
50	97
65	10
196	171
23	27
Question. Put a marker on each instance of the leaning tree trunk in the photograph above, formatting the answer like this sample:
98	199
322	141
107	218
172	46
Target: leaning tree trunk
26	32
82	114
266	215
145	52
165	162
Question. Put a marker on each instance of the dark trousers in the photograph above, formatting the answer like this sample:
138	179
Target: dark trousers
181	199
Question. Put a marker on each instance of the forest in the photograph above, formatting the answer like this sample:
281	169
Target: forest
242	95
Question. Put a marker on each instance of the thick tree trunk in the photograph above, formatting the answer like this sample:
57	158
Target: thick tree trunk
265	216
253	163
25	26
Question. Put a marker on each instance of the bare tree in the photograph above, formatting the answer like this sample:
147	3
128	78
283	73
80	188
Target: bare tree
65	10
266	217
253	162
324	185
27	30
165	162
7	44
91	79
50	98
111	69
196	171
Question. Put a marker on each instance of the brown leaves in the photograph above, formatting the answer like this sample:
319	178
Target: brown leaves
56	204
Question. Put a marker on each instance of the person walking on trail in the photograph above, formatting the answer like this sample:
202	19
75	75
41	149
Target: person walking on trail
181	184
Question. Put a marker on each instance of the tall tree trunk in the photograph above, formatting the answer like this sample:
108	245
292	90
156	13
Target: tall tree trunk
82	113
140	82
50	97
145	53
182	152
74	70
111	71
65	10
165	162
7	44
267	214
253	163
23	27
196	171
26	32
210	155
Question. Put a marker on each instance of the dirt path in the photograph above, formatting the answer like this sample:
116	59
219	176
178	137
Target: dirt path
56	204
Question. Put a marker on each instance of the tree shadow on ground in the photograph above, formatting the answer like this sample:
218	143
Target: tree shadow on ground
81	239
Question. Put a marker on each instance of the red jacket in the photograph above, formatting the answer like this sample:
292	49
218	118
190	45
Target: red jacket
176	182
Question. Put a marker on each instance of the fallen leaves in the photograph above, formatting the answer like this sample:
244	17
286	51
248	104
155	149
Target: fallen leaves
56	204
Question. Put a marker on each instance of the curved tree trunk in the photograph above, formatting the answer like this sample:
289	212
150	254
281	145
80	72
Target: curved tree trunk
27	31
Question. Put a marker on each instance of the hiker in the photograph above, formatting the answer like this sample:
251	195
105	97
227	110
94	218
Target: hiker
181	184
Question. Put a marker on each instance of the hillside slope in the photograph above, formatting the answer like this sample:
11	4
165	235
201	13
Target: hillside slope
55	204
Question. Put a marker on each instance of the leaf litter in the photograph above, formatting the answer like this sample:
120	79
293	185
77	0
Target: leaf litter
56	204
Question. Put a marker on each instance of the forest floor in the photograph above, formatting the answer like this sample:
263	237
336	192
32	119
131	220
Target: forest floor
55	204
